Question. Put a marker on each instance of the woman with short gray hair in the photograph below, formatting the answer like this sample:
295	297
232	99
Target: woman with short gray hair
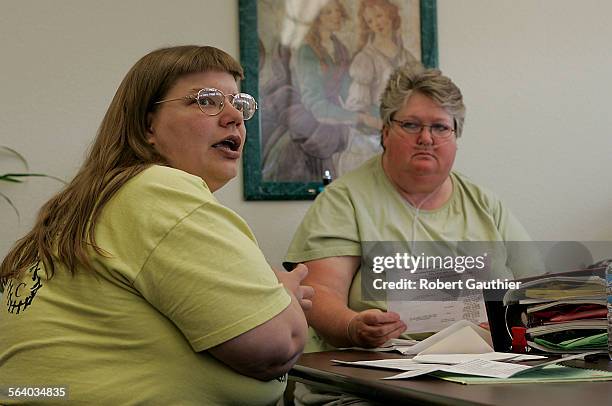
407	193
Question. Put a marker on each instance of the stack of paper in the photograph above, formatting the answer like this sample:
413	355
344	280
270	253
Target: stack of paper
563	314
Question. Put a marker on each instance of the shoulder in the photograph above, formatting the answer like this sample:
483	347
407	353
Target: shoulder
167	175
160	192
331	226
354	189
363	177
478	195
167	182
162	204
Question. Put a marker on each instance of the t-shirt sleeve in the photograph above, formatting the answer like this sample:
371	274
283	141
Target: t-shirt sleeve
523	257
329	229
508	225
209	277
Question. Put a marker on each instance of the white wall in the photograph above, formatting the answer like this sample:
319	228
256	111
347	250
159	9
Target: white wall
535	76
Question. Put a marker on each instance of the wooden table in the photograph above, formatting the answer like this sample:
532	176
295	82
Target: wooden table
317	370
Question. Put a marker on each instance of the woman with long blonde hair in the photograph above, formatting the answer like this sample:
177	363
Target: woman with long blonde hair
135	285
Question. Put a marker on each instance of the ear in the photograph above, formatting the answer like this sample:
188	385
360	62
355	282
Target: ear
384	135
150	133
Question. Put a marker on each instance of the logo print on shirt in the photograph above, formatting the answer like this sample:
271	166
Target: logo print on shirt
22	292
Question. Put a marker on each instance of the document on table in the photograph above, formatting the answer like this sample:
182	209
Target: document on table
400	364
452	359
483	367
422	362
462	337
479	367
430	316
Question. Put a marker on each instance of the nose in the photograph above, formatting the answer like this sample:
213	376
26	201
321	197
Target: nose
230	114
425	137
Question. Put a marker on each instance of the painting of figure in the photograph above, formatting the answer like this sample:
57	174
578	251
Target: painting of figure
380	50
322	67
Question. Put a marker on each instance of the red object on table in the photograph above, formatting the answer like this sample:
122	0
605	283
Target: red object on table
519	341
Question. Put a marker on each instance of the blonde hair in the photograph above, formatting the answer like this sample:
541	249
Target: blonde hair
64	230
428	82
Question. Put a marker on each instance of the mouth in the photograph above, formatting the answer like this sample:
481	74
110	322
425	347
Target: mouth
424	153
231	143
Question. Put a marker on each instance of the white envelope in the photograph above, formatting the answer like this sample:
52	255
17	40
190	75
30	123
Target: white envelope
462	337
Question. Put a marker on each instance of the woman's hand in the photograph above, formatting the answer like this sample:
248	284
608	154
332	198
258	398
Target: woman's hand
292	282
373	327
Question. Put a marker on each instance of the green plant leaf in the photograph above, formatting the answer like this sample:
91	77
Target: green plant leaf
14	177
17	154
10	202
18	177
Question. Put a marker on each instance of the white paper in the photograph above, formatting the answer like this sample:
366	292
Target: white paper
402	342
400	364
492	369
395	344
462	348
377	349
477	367
412	374
452	359
472	340
432	316
528	357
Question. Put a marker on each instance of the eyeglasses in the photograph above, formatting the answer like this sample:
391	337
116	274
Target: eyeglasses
212	101
413	128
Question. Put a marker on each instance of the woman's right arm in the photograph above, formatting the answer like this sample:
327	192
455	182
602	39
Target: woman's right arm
270	349
330	315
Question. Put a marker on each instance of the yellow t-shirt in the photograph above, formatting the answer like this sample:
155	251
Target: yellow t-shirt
183	274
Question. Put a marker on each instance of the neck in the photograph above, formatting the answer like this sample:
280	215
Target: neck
427	192
431	199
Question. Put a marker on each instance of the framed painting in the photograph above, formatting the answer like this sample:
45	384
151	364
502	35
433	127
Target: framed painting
317	69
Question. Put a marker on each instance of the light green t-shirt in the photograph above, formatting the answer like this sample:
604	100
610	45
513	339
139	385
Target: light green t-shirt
363	205
183	274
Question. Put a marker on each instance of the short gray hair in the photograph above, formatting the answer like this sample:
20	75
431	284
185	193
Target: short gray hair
429	82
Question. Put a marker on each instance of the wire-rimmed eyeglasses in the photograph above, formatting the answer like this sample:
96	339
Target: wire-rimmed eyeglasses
212	101
437	130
